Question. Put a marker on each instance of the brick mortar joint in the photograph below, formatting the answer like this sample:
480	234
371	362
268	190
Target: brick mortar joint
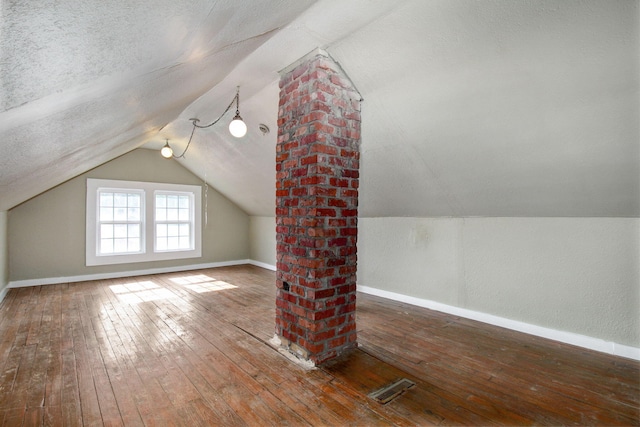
319	107
317	59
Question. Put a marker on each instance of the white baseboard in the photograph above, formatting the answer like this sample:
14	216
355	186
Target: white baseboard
263	265
552	334
562	336
118	274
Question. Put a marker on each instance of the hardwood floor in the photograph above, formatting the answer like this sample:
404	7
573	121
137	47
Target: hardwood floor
192	349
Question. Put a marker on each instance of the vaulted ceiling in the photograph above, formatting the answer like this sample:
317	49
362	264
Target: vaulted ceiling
471	108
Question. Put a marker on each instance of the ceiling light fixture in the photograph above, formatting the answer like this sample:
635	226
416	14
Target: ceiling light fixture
237	128
166	151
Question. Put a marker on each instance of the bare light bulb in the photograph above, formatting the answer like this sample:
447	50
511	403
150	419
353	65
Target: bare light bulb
166	151
237	127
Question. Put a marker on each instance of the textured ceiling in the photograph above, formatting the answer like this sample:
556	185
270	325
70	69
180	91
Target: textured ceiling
471	108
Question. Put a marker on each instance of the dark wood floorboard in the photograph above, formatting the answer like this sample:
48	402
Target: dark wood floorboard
192	349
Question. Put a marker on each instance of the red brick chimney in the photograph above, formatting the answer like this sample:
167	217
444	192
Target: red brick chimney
317	175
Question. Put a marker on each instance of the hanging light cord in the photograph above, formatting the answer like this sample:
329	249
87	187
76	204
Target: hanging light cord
206	200
235	99
188	143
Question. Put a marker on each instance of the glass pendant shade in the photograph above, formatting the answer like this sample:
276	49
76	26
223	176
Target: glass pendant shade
237	127
166	151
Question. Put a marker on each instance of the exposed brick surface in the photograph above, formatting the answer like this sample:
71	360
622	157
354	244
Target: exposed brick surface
317	173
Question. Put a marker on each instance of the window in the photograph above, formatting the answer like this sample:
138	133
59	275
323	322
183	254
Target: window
120	222
131	221
174	218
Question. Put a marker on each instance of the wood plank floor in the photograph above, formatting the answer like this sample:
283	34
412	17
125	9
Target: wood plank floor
192	349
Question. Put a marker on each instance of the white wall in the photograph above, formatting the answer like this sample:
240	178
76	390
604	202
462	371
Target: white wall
578	275
4	255
262	239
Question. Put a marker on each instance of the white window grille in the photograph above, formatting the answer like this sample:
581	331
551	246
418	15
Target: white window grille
130	221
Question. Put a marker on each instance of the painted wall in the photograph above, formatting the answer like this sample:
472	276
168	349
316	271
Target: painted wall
262	238
47	233
574	275
578	275
4	255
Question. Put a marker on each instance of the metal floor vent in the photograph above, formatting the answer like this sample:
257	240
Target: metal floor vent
393	390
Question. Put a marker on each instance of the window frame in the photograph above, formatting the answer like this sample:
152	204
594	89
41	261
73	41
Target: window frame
189	221
148	251
100	222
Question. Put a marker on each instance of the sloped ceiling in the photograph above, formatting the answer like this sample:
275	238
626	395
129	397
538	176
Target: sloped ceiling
471	108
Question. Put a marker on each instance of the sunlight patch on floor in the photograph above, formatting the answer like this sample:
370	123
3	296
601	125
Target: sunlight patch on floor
201	283
137	292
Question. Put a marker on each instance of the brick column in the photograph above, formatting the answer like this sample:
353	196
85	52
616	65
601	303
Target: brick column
317	170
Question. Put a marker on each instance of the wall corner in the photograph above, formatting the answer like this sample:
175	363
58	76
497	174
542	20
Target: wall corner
4	254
